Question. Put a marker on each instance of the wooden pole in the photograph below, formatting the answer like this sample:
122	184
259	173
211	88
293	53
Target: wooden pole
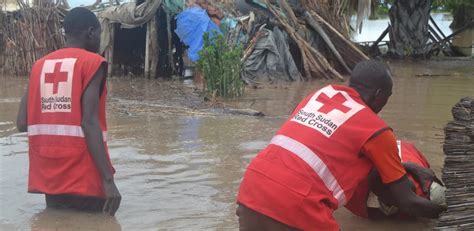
444	47
154	51
468	25
437	27
110	51
436	45
376	43
170	42
320	19
433	31
315	25
147	50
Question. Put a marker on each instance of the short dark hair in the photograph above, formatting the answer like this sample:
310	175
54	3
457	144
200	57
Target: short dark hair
78	20
370	74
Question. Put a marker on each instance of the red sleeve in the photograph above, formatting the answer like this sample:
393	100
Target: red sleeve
383	152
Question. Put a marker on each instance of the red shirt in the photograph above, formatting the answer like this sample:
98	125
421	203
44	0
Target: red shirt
383	152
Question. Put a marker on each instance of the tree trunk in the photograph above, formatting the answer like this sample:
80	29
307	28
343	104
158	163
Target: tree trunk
409	32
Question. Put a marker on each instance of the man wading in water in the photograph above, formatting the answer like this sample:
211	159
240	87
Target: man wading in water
63	112
310	169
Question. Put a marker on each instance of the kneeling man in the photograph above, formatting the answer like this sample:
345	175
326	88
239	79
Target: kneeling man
320	155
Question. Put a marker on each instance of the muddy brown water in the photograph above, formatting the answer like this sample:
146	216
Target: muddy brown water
179	168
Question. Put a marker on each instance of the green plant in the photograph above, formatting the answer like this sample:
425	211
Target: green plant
220	65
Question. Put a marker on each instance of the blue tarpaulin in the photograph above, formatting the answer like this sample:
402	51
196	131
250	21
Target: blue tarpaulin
191	26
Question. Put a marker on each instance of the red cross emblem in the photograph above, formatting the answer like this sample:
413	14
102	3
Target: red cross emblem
56	77
334	103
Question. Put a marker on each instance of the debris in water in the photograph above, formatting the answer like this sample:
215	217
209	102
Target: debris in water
247	111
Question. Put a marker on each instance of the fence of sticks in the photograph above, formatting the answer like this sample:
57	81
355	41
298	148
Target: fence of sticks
458	171
27	35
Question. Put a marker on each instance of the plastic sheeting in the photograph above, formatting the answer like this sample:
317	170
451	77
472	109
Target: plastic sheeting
174	6
191	26
228	24
128	15
271	60
261	3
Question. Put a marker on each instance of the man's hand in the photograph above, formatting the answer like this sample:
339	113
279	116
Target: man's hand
410	203
113	197
424	176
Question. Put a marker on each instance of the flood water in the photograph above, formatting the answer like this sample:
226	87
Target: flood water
372	29
180	169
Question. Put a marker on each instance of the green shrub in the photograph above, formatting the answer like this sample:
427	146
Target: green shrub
220	65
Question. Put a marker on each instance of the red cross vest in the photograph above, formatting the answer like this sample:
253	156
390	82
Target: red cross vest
60	162
313	164
408	153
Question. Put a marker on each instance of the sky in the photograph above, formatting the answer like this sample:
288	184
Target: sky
75	3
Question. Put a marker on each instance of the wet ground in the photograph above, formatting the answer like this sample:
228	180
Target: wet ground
179	166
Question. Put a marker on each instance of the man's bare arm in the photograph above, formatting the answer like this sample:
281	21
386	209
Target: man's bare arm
94	139
22	117
410	203
382	150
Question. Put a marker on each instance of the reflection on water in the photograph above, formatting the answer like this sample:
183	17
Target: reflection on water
54	219
181	171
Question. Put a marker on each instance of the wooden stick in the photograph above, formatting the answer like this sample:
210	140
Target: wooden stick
315	25
438	38
468	25
289	13
318	64
320	19
436	26
147	50
376	43
154	49
170	42
110	50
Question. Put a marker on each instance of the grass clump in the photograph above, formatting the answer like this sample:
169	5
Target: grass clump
220	66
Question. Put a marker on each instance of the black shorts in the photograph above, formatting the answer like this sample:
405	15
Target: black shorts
87	204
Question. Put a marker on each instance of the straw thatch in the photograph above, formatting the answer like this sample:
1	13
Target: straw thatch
27	35
458	173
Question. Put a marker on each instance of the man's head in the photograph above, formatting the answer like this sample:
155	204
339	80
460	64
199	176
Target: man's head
373	82
82	29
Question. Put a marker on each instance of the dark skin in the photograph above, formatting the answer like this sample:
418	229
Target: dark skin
88	40
22	117
401	190
424	176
